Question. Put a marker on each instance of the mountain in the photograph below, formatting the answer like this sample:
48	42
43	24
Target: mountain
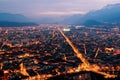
16	24
14	20
52	19
47	20
72	19
13	17
92	22
109	13
104	16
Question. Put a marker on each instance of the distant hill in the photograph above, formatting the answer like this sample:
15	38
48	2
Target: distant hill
92	22
72	19
14	20
13	17
16	24
109	13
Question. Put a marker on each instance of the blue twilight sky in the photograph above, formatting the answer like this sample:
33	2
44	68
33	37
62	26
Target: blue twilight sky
52	7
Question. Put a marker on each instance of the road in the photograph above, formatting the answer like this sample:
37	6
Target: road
87	66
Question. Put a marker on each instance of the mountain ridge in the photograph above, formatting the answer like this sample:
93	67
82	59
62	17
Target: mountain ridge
13	17
14	20
109	13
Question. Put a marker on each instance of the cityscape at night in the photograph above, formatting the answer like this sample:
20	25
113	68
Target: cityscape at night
46	51
59	40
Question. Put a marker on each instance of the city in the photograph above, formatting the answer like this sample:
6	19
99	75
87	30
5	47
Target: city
51	51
